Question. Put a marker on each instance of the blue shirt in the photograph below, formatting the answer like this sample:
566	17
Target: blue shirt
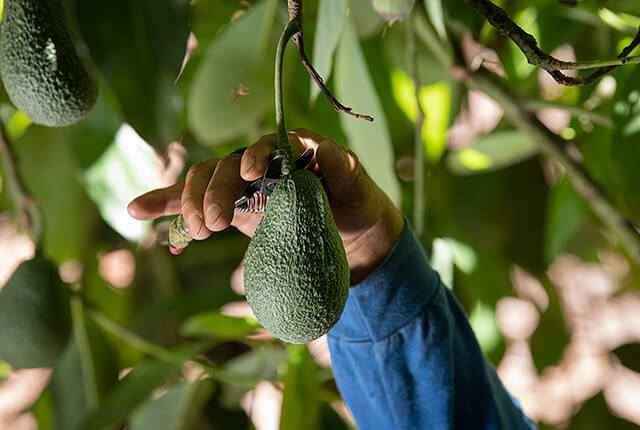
405	357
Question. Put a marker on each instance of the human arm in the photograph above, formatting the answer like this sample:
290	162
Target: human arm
400	327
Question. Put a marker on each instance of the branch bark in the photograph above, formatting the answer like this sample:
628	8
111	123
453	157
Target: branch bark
535	56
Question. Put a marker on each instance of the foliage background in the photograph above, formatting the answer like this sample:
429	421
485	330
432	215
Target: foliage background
551	293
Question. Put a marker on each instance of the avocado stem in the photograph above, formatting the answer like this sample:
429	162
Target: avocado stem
284	145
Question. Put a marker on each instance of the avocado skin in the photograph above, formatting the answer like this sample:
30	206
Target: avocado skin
34	316
296	273
40	69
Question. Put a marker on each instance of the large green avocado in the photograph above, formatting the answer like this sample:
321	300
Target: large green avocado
34	316
40	69
296	274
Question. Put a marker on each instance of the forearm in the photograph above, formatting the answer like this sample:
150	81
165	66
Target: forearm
404	355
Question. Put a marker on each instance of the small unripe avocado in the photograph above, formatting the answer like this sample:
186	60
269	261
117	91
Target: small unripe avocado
35	318
40	69
296	273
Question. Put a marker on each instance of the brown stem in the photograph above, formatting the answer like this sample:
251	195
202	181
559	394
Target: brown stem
339	107
535	56
27	213
295	14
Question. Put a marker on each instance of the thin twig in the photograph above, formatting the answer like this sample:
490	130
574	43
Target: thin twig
596	118
339	107
295	14
553	147
535	56
27	213
418	189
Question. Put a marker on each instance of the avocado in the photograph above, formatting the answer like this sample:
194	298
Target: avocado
34	316
296	272
40	69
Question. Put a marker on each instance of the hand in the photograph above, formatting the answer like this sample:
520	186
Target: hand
367	221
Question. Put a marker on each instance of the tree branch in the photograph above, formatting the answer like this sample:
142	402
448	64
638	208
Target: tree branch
535	56
27	213
418	189
551	146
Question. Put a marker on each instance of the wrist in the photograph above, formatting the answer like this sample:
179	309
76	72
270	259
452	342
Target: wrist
371	247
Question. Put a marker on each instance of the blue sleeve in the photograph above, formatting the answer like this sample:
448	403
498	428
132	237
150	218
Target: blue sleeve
405	357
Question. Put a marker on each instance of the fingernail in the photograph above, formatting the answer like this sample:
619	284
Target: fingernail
248	165
195	225
213	214
345	157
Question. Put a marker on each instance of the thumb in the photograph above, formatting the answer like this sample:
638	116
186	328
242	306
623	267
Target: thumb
339	167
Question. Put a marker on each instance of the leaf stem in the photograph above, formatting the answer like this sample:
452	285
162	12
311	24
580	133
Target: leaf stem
418	189
27	214
163	354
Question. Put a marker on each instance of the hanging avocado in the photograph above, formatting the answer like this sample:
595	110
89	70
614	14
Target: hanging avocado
40	69
296	274
34	316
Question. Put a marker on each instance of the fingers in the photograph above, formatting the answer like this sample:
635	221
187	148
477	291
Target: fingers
256	157
157	203
340	169
198	178
224	188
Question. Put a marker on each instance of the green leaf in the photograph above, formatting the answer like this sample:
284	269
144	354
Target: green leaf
134	389
565	214
492	152
175	410
301	403
371	141
231	92
214	324
436	16
625	151
393	10
331	16
138	47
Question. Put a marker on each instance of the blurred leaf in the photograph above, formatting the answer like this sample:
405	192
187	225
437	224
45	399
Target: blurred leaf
5	370
127	169
214	324
485	327
42	411
447	253
231	92
565	214
331	16
134	389
51	175
67	390
301	403
17	126
367	22
436	16
139	47
175	410
625	151
435	100
371	141
491	152
392	10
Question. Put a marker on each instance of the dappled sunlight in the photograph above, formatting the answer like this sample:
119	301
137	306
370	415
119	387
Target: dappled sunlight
263	405
599	321
16	248
17	393
117	267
